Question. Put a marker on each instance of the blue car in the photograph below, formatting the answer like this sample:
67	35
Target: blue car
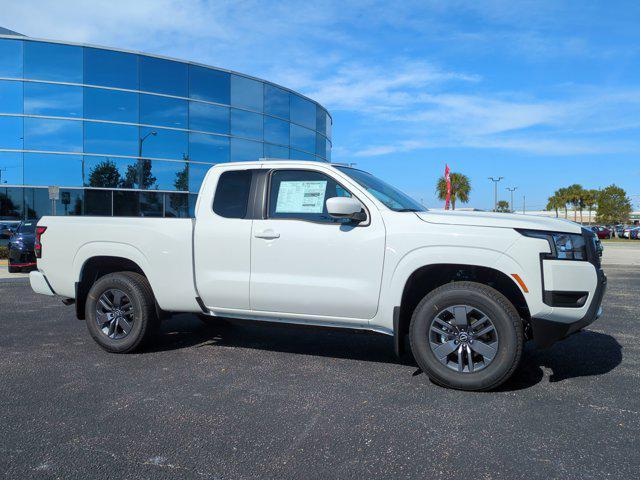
22	257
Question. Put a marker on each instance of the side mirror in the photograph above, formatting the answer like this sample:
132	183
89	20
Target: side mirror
346	207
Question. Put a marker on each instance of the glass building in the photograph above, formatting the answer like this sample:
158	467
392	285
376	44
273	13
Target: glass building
130	134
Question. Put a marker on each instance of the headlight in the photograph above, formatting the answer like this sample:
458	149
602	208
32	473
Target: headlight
564	246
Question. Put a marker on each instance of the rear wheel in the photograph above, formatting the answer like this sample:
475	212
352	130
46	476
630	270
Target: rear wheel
467	336
120	311
13	269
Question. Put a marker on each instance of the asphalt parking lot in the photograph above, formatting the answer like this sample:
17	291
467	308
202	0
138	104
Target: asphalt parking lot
255	401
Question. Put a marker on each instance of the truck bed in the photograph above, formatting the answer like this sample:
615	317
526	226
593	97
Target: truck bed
162	248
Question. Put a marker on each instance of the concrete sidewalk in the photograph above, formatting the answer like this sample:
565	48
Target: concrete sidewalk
621	253
4	272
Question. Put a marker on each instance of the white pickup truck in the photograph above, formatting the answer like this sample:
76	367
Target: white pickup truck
323	244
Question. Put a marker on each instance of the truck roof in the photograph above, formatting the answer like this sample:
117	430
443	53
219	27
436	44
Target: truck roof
264	161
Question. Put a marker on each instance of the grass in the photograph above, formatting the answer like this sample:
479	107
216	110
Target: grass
618	240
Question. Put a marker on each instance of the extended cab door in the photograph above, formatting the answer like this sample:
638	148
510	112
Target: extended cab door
305	262
222	240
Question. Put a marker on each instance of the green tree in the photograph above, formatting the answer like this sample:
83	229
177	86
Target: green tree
590	200
460	188
104	174
503	207
555	202
613	206
182	179
139	175
574	195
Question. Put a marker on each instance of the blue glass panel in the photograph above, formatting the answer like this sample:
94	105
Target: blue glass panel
98	202
52	61
11	202
246	93
276	131
275	151
11	100
168	175
321	145
109	172
208	118
52	135
208	84
10	58
303	111
276	101
70	202
303	138
208	148
44	169
163	76
126	204
245	150
11	132
165	144
151	204
10	168
298	155
321	119
328	156
246	124
37	203
113	105
176	205
197	171
328	126
165	111
110	138
110	69
52	100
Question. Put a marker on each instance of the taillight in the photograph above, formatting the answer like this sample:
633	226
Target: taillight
38	245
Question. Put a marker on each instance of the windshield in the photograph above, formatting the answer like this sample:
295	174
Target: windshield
390	196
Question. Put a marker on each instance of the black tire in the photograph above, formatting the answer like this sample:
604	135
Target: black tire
13	269
507	326
137	289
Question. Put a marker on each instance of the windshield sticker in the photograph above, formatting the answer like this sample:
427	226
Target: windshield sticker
301	197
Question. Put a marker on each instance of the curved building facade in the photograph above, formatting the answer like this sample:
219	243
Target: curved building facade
131	134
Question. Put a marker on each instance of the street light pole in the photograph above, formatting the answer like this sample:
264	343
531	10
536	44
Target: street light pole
512	189
495	191
140	166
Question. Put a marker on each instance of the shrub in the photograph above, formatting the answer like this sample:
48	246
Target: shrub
4	252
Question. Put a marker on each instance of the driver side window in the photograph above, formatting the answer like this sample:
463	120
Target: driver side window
302	195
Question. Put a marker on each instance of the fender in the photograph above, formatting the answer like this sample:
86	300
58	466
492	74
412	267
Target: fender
109	249
433	255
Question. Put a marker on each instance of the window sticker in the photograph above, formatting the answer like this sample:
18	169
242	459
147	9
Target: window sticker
301	196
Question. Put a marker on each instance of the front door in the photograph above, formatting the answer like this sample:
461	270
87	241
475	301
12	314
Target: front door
305	262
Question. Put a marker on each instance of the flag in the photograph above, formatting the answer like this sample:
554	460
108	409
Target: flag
448	179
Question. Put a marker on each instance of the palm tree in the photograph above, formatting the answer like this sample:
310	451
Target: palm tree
562	198
590	199
555	203
503	207
460	188
574	197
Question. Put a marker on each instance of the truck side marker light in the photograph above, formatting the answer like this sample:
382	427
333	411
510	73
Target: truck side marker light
520	282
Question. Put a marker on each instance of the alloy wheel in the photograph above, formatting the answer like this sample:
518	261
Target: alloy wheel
463	338
115	314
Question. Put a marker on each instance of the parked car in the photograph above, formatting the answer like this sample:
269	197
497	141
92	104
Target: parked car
322	244
634	233
603	233
619	229
22	256
7	229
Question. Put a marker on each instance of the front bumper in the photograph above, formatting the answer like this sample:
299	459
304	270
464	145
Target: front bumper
547	332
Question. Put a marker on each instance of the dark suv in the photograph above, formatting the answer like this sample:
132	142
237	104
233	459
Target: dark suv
21	248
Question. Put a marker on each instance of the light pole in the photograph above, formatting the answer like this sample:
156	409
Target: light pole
140	165
495	191
512	189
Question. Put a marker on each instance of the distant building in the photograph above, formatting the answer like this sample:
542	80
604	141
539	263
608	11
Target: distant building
131	134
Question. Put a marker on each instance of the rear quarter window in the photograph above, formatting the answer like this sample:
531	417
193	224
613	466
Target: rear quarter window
232	194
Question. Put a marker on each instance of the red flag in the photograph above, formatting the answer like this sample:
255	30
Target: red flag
448	179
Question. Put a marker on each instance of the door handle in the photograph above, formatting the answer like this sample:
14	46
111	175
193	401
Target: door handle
267	234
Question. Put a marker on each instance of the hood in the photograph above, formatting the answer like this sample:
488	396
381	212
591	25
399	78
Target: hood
501	220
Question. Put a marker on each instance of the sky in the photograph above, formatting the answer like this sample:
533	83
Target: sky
543	93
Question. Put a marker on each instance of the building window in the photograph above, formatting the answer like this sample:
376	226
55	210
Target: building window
245	150
110	69
276	101
172	144
275	151
246	93
151	204
276	131
126	204
321	145
197	172
208	84
208	148
111	139
98	202
11	131
163	76
51	169
10	58
176	205
246	124
11	168
208	118
11	96
53	62
52	135
111	105
52	100
303	138
164	111
303	111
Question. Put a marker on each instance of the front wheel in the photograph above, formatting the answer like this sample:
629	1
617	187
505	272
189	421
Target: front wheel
120	311
467	336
